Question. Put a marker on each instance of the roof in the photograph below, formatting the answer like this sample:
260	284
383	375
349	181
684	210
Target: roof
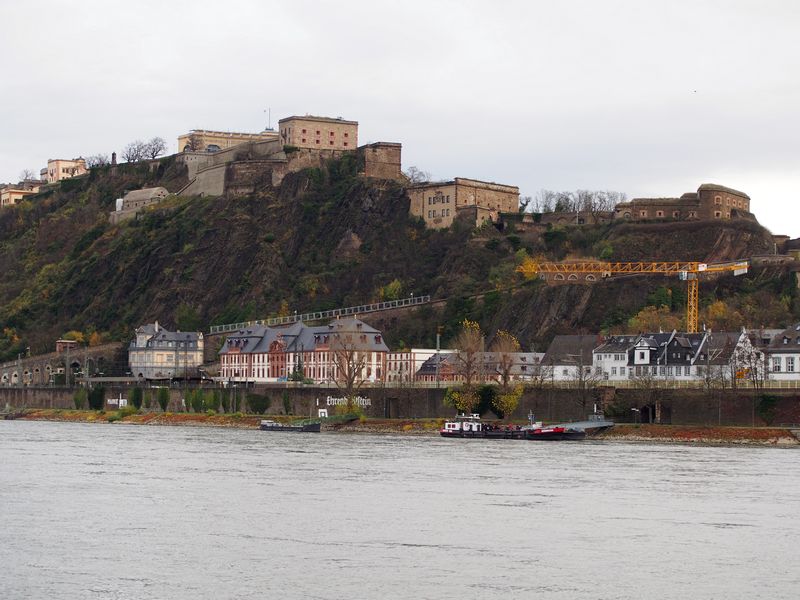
721	188
460	181
299	337
788	338
319	119
146	193
720	346
571	350
156	333
616	344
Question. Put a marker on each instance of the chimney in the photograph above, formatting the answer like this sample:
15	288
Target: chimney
113	158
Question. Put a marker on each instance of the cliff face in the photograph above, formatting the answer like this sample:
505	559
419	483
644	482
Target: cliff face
324	238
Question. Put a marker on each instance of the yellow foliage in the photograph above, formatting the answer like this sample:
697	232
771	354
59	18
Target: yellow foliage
506	403
652	319
74	335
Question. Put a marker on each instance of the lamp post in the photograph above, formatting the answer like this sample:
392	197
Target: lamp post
635	415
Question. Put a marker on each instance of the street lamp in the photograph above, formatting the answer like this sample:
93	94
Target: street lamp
635	415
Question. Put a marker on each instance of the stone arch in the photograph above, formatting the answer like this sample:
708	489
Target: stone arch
591	277
627	215
572	277
187	148
213	148
5	379
14	378
558	277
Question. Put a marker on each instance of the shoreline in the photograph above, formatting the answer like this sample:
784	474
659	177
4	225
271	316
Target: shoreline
625	432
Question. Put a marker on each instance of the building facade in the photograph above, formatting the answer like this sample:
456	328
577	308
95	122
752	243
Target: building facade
61	168
323	354
783	355
322	133
710	201
205	140
438	203
156	353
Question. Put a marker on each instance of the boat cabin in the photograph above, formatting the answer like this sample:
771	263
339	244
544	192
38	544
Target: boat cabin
464	423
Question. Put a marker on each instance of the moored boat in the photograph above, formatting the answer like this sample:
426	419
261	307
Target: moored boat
471	426
269	425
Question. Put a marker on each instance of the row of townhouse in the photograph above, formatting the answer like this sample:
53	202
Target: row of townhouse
749	356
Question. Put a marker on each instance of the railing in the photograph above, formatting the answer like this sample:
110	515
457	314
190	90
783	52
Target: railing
325	314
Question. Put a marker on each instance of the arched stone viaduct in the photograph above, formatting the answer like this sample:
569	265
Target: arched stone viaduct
42	369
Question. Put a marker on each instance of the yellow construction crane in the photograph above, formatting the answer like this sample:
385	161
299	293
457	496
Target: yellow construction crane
688	271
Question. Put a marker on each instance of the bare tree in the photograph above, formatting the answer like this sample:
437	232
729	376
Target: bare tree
415	175
96	160
348	351
134	152
749	364
505	348
155	148
469	358
27	175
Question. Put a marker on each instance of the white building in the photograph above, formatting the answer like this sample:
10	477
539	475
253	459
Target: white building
156	353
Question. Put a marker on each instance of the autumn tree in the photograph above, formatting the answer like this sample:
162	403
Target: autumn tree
27	175
652	319
719	316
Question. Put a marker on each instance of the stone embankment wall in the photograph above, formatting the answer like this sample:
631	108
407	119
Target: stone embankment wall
739	408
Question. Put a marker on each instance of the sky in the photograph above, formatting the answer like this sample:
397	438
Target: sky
650	98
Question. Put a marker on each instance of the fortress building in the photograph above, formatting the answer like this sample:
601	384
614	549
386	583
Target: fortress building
710	201
438	203
62	168
321	133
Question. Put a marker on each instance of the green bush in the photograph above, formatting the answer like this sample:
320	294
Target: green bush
135	397
258	403
97	398
287	403
79	398
210	401
195	397
163	398
766	408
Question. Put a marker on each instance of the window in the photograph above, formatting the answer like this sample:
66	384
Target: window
345	143
641	355
622	370
663	371
331	134
687	371
303	140
642	213
613	370
659	213
429	214
318	141
317	131
676	214
304	130
345	135
448	212
331	142
718	200
717	214
790	364
655	371
776	364
669	371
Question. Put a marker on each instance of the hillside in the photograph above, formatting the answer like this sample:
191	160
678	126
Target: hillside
327	238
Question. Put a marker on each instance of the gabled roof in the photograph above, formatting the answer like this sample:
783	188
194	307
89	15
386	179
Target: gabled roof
299	337
786	340
617	344
571	350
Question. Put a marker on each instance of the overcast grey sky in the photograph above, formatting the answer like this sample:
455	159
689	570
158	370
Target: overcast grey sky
649	98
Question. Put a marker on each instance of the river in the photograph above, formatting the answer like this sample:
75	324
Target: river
135	512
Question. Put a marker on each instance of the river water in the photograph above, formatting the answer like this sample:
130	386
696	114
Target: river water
134	512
